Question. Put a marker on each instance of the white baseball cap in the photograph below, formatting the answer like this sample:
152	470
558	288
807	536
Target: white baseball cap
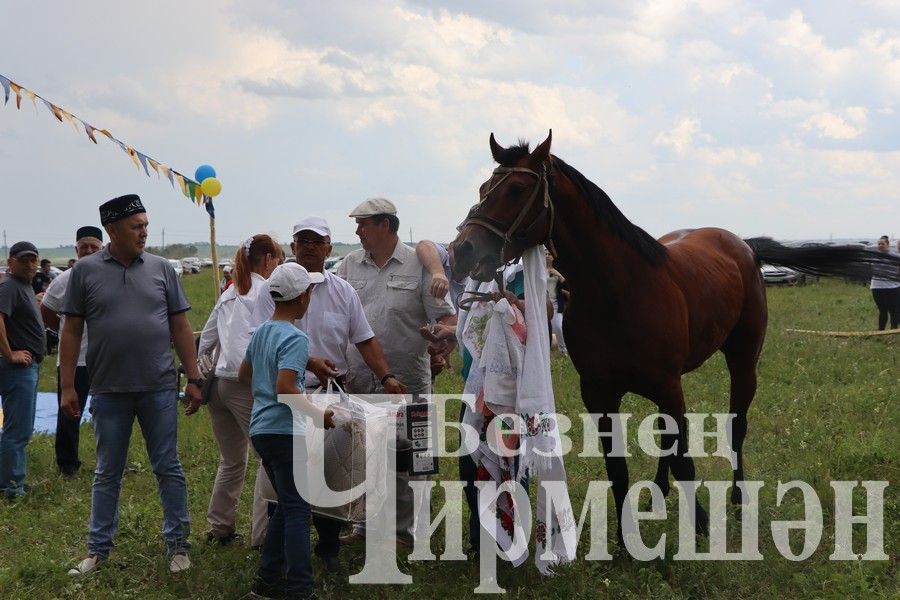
315	224
290	280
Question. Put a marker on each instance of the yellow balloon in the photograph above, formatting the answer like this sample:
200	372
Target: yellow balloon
211	187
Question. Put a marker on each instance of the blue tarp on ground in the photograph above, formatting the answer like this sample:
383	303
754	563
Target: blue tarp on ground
45	413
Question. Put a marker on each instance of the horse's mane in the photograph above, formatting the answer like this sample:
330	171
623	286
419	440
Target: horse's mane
604	209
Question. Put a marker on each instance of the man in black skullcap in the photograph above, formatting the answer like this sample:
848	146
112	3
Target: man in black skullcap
88	240
22	346
133	304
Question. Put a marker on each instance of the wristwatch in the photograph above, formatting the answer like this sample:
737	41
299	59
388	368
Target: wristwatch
388	376
198	381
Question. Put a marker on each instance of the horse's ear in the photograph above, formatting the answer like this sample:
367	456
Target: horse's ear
542	152
496	149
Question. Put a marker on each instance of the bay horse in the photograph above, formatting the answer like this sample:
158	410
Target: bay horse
642	312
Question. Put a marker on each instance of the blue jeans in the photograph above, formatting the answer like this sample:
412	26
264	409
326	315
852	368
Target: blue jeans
113	416
286	549
18	390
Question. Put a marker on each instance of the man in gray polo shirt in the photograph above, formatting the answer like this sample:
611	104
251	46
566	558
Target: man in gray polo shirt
22	347
133	304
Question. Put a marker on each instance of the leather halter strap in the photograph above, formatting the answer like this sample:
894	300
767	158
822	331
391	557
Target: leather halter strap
497	228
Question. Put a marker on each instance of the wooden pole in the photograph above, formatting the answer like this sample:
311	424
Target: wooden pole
214	254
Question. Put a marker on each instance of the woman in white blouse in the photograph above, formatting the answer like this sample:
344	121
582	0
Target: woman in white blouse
239	310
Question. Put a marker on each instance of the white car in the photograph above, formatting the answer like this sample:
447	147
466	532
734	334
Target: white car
176	264
191	264
206	262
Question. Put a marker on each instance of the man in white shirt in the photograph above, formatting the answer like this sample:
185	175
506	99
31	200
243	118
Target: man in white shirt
334	320
335	317
88	240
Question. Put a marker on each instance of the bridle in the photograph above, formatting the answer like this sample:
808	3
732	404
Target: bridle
497	228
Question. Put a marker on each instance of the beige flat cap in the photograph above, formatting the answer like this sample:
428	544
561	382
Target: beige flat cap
372	207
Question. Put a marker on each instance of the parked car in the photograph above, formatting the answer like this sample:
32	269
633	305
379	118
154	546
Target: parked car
226	262
206	262
332	263
773	275
176	264
191	264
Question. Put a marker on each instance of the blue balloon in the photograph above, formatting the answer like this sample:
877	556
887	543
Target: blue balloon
202	172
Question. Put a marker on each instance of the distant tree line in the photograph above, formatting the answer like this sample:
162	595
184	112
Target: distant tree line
173	250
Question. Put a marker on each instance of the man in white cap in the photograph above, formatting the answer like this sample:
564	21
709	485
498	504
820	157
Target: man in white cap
334	321
393	287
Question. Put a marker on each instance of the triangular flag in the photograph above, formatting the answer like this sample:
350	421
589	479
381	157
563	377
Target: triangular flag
209	207
153	165
54	109
143	160
133	156
180	180
168	173
33	97
5	83
70	118
191	188
89	129
18	91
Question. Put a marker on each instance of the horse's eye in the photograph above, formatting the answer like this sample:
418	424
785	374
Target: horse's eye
516	189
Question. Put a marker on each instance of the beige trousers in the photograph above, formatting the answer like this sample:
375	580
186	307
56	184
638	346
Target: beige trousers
229	409
409	512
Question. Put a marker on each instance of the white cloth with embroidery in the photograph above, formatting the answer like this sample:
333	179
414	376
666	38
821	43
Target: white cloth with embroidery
516	379
555	533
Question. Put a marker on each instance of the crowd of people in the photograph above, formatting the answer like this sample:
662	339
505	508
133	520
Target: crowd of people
385	323
276	328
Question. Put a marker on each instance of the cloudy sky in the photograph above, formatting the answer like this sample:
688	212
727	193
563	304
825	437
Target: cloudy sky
766	118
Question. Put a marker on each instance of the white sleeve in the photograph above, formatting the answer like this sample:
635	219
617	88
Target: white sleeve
56	291
210	335
360	330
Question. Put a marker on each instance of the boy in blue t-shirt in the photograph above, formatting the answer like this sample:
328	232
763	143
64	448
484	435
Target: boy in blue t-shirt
275	364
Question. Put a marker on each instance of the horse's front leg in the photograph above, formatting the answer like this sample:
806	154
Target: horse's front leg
599	399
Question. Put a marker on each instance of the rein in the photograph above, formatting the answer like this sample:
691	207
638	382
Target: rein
497	228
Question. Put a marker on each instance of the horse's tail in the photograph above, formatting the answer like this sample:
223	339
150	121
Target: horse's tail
822	260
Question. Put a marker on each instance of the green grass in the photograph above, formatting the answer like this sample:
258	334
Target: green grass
826	410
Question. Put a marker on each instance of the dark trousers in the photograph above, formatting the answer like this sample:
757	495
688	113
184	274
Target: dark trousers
467	470
285	551
329	531
67	429
888	302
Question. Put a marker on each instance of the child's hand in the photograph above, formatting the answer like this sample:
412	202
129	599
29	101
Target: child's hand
328	418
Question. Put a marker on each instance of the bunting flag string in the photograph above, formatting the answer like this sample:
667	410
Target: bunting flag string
187	186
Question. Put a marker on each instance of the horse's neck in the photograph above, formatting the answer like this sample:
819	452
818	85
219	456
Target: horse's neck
590	255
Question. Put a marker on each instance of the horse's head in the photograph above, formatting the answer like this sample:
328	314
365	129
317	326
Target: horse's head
513	214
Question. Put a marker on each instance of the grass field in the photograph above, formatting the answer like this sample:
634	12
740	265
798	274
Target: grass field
826	410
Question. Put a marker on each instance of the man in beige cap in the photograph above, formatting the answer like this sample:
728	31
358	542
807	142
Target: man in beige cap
393	287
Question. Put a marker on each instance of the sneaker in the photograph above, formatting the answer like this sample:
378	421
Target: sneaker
179	562
88	565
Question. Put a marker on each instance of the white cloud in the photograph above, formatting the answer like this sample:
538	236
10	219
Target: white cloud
680	137
836	127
